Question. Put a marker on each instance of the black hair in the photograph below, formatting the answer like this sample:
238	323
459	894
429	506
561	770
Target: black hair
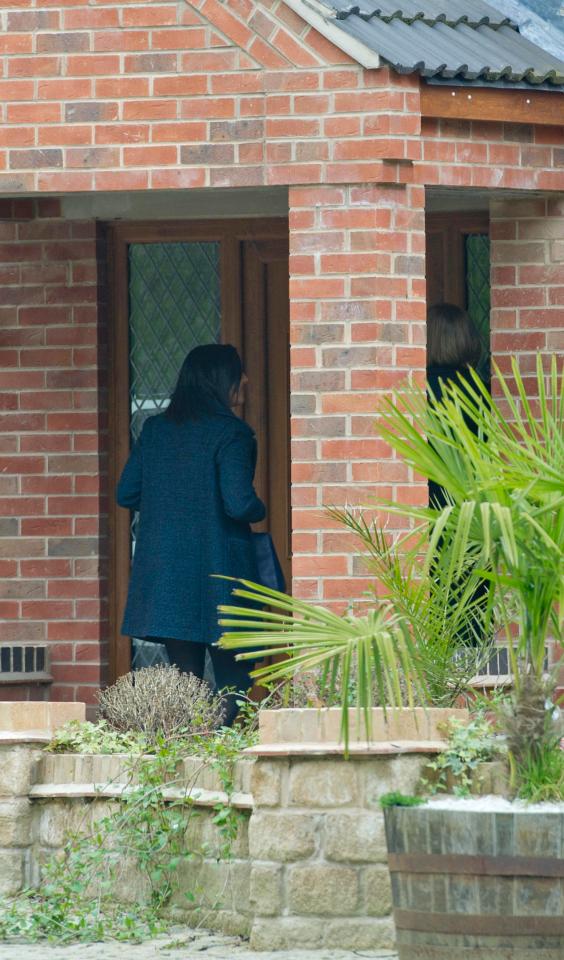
207	379
452	337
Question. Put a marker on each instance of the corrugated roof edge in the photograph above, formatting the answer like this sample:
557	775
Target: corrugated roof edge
323	16
430	21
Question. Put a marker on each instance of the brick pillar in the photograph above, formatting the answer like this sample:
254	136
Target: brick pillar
357	315
527	257
52	437
527	276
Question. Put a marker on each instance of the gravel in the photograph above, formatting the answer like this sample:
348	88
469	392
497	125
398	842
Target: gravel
180	944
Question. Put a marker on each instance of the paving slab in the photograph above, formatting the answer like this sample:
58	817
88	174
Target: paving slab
179	944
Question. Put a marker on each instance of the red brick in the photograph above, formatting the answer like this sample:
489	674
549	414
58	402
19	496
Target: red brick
182	86
149	16
64	89
34	66
92	66
149	156
86	18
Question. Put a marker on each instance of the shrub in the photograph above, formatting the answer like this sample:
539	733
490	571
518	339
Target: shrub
161	701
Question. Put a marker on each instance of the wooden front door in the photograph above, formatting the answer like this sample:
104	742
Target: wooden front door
175	285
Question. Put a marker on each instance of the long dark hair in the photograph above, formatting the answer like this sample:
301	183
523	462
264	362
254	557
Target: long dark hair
206	382
452	337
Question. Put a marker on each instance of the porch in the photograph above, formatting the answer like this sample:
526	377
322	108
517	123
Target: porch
95	324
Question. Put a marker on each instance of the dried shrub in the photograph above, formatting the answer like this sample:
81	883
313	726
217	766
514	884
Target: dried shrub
161	700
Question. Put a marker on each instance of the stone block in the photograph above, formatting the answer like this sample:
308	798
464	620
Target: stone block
355	836
59	819
38	716
53	825
17	770
215	885
15	823
11	872
377	891
203	836
287	933
323	890
324	783
386	774
266	782
282	836
362	933
266	891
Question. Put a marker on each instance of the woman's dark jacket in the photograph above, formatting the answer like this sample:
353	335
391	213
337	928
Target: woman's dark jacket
438	377
192	484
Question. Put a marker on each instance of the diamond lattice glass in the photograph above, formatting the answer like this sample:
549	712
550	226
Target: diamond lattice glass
478	291
174	305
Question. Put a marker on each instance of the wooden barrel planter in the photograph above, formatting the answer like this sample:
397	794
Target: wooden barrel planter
487	884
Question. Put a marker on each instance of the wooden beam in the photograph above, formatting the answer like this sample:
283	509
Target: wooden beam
485	103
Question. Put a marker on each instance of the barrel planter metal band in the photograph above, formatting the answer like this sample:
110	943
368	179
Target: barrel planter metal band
477	924
484	866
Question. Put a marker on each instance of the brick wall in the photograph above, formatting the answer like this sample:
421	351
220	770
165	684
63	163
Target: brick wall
517	156
131	96
357	314
527	279
177	95
52	435
180	95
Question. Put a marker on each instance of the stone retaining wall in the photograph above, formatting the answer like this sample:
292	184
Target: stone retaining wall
319	875
308	868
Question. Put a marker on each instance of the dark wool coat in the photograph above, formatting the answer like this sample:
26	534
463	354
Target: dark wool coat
439	376
192	484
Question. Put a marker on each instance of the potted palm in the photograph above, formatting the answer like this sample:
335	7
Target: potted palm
486	880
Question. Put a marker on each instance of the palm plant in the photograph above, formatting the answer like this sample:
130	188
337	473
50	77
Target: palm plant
501	464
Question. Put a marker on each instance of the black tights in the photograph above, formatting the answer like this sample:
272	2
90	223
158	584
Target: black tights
190	657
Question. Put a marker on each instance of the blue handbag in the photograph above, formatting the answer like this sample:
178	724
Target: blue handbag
269	571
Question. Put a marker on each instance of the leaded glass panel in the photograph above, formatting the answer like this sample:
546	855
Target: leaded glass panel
174	305
477	248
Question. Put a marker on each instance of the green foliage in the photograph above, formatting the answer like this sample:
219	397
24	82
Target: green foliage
502	465
396	799
140	840
376	650
78	736
468	745
541	775
450	624
505	521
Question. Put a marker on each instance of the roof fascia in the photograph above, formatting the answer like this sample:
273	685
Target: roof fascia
319	17
479	103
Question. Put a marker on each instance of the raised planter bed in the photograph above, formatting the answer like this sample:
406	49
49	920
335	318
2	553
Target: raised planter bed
323	726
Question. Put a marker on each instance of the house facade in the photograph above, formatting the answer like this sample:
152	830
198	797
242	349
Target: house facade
298	177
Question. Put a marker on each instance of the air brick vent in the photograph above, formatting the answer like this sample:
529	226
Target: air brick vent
24	663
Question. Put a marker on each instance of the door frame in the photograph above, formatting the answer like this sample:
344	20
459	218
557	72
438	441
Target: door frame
230	233
451	227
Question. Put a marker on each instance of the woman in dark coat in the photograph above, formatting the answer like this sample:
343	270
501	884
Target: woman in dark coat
190	476
453	348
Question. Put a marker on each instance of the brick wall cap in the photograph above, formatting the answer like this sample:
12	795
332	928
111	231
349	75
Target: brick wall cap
37	716
358	749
